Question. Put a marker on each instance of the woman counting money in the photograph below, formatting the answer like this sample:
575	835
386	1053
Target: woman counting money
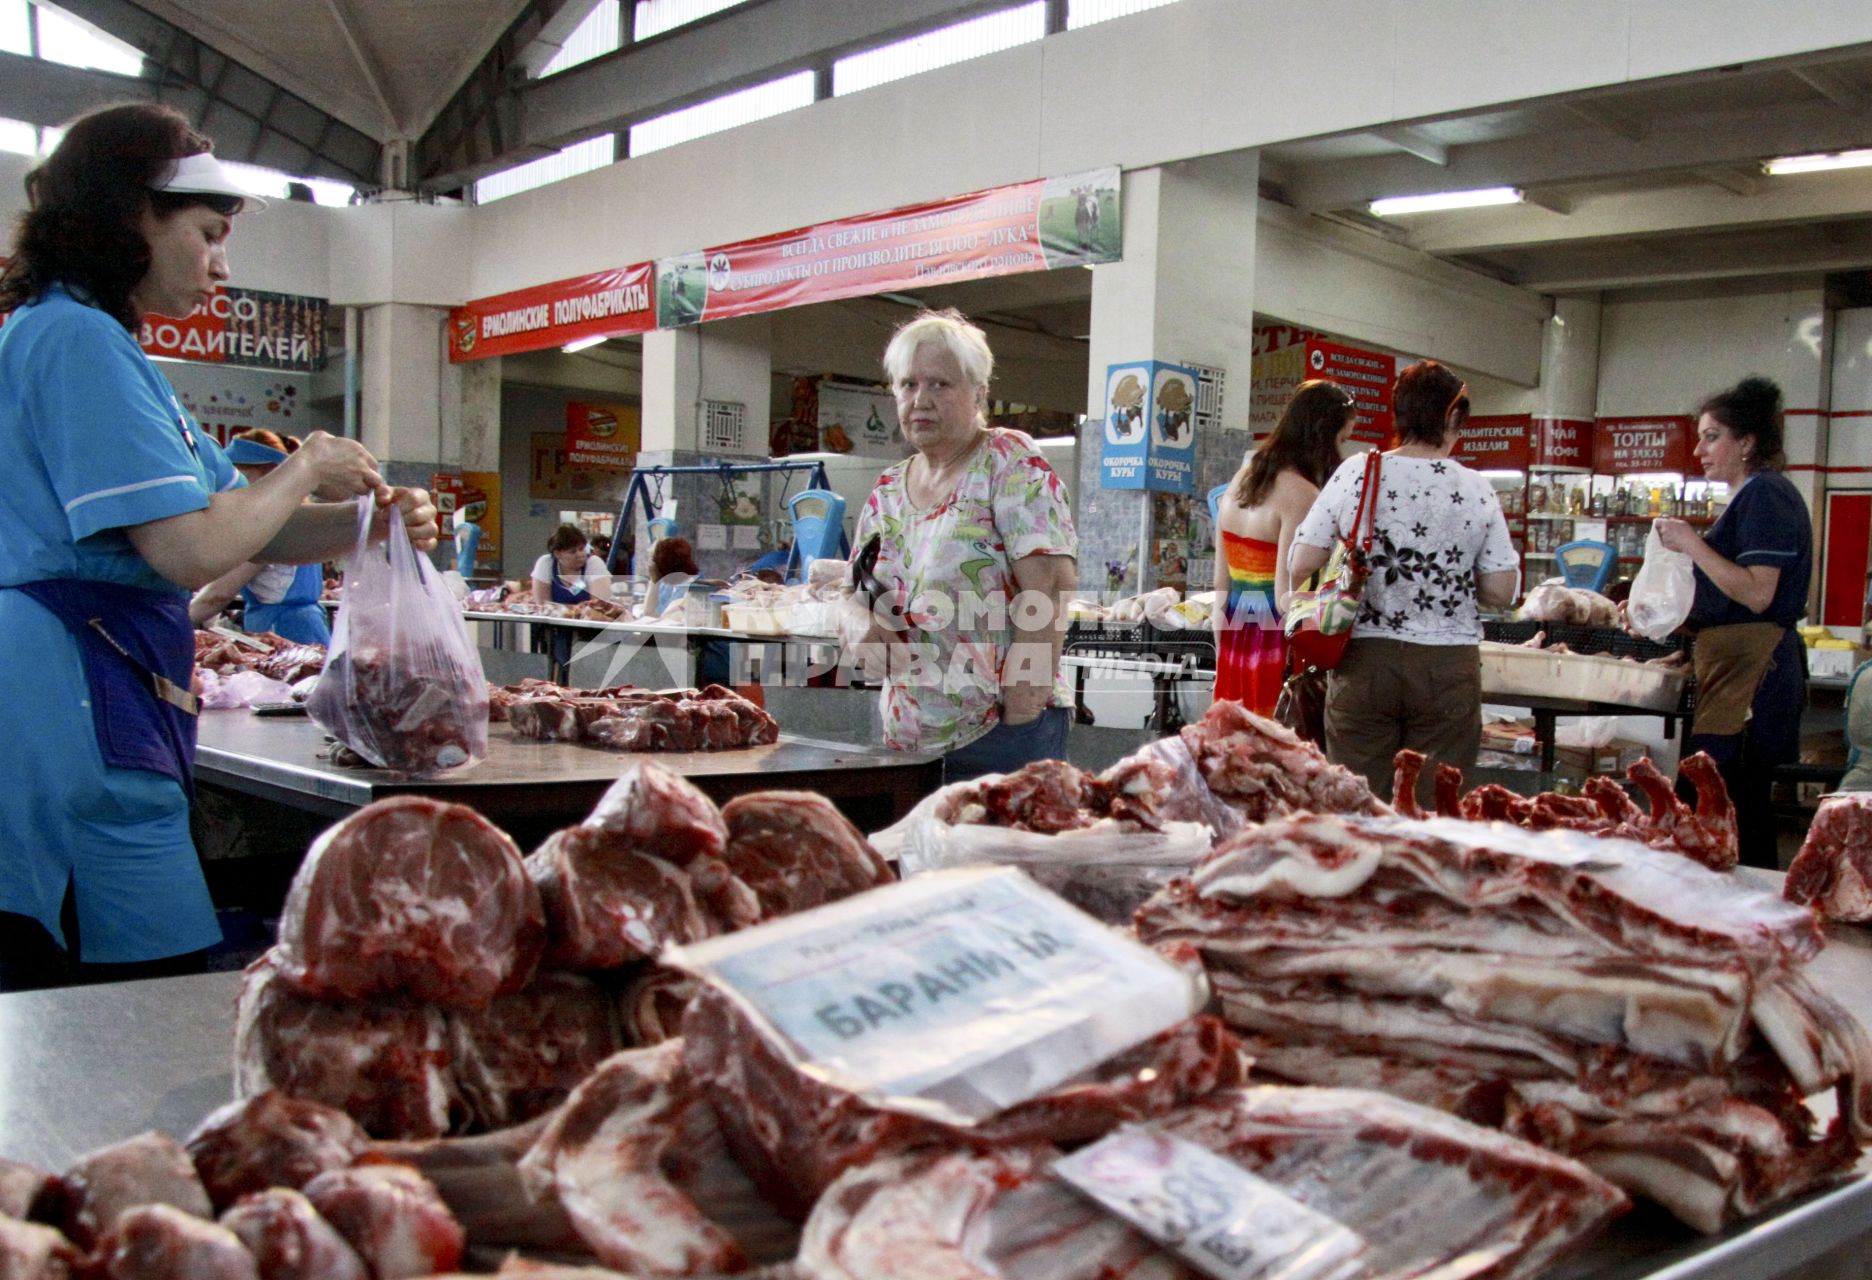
116	506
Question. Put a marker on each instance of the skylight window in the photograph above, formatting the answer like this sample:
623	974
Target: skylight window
654	17
62	38
581	157
721	113
600	33
989	33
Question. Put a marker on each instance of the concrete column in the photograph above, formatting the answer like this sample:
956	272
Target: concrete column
1184	293
727	360
412	397
1569	375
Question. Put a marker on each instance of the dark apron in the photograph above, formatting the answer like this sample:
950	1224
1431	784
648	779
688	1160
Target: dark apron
562	594
138	648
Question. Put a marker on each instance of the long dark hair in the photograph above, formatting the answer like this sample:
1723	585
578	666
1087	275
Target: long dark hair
85	200
1305	439
1752	407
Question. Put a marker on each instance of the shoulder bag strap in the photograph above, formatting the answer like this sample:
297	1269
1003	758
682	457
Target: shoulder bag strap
1367	513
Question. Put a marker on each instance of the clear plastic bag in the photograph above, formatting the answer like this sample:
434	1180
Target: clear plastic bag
1663	592
403	686
242	689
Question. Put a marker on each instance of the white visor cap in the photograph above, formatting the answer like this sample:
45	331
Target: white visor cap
202	174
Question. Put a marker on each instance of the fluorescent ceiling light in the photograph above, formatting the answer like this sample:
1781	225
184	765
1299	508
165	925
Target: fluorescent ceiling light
1818	163
582	343
1392	205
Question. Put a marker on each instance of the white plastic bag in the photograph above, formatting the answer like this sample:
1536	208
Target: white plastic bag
242	689
1662	593
1587	731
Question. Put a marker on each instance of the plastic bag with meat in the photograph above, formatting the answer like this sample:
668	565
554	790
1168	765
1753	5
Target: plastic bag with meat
403	686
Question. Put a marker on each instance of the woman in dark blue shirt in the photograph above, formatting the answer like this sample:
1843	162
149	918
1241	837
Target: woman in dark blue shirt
1753	569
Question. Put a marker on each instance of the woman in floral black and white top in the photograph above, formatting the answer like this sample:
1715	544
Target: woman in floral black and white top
1412	675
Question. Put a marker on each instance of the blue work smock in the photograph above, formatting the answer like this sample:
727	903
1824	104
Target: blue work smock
297	615
92	441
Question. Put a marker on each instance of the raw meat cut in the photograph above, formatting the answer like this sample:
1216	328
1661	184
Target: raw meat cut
662	814
523	1054
151	1168
160	1242
270	1140
479	1179
418	711
290	1241
795	1134
392	1217
637	1162
1833	870
34	1251
383	1062
608	905
23	1187
1578	988
416	896
627	719
1706	834
796	851
1265	770
1429	1193
651	1005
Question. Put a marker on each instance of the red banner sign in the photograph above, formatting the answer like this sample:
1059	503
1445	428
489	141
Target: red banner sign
602	435
1030	226
604	304
1628	446
1495	442
1368	375
1563	442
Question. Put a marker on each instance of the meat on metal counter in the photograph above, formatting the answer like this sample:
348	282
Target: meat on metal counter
531	789
87	1066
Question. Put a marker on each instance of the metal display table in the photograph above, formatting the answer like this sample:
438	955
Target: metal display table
531	789
692	638
85	1066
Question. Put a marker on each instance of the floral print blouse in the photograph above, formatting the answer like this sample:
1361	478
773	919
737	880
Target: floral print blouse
951	566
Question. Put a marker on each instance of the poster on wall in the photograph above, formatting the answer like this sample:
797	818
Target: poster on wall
605	304
553	475
1563	442
1121	459
1172	458
1495	442
227	401
1368	375
1630	446
603	436
858	420
247	327
481	502
1042	225
1273	378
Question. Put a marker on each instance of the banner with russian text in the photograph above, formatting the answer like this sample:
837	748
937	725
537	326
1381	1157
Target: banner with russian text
1495	442
1068	221
1636	446
605	304
602	435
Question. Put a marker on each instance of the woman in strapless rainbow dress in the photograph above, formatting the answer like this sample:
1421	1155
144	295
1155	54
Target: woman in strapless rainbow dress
1255	522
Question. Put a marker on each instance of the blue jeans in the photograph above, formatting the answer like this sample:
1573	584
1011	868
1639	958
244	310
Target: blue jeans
1007	747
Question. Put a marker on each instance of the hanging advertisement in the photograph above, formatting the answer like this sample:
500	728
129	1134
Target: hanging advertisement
1630	446
1563	442
1041	225
1121	459
605	304
602	436
1173	430
1368	375
858	420
1273	378
226	400
553	475
1495	442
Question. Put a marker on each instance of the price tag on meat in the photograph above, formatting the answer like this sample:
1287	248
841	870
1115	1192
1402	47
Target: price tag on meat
954	995
1211	1212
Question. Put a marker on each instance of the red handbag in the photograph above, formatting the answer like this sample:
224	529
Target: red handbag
1319	623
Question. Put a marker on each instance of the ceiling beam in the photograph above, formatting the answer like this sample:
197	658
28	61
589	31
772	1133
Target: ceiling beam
1601	116
1411	139
747	45
1637	265
1835	88
1736	181
251	118
1680	144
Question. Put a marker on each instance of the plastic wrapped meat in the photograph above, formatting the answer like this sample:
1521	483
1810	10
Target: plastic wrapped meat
33	1251
290	1241
383	1062
151	1168
523	1054
797	851
1833	870
412	895
655	812
392	1216
652	1005
271	1140
608	905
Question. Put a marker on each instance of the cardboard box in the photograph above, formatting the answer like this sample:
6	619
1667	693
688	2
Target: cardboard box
1835	662
1613	759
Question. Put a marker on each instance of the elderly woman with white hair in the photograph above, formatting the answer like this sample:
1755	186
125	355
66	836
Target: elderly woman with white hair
978	548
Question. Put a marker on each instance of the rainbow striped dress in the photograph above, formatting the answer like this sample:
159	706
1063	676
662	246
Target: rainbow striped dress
1251	653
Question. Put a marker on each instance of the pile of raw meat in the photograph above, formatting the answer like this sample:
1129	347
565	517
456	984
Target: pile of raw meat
631	719
273	656
1832	873
429	980
1554	601
1706	833
1641	1013
1264	770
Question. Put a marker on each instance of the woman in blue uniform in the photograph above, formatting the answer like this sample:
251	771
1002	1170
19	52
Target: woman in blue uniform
281	598
114	507
1753	568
